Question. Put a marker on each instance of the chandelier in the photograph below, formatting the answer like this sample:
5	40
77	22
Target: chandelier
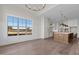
35	7
63	16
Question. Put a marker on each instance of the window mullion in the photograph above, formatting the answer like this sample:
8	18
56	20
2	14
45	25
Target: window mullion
26	27
18	27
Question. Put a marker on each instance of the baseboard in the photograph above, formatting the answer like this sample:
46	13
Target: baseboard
18	42
25	41
47	38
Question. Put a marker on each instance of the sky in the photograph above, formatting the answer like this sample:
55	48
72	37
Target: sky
14	21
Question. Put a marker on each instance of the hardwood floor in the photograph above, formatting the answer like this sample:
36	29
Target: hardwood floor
41	47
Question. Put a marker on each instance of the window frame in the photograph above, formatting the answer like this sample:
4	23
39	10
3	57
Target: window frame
18	30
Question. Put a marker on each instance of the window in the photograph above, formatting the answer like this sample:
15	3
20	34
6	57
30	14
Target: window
19	26
29	27
12	26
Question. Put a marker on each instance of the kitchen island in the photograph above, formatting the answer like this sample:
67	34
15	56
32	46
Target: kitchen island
63	37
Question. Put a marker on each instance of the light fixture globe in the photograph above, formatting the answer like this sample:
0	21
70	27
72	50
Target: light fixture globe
35	7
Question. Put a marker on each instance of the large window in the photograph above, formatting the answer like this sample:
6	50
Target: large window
19	26
29	27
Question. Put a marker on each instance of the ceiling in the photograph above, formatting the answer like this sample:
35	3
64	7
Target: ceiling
71	11
52	11
22	7
47	7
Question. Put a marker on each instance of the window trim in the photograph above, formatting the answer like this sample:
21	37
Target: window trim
20	26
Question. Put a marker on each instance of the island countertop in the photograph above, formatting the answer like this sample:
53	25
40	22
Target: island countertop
63	32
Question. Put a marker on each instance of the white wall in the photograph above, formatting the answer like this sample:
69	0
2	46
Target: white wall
4	39
78	28
42	26
71	22
1	22
45	30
